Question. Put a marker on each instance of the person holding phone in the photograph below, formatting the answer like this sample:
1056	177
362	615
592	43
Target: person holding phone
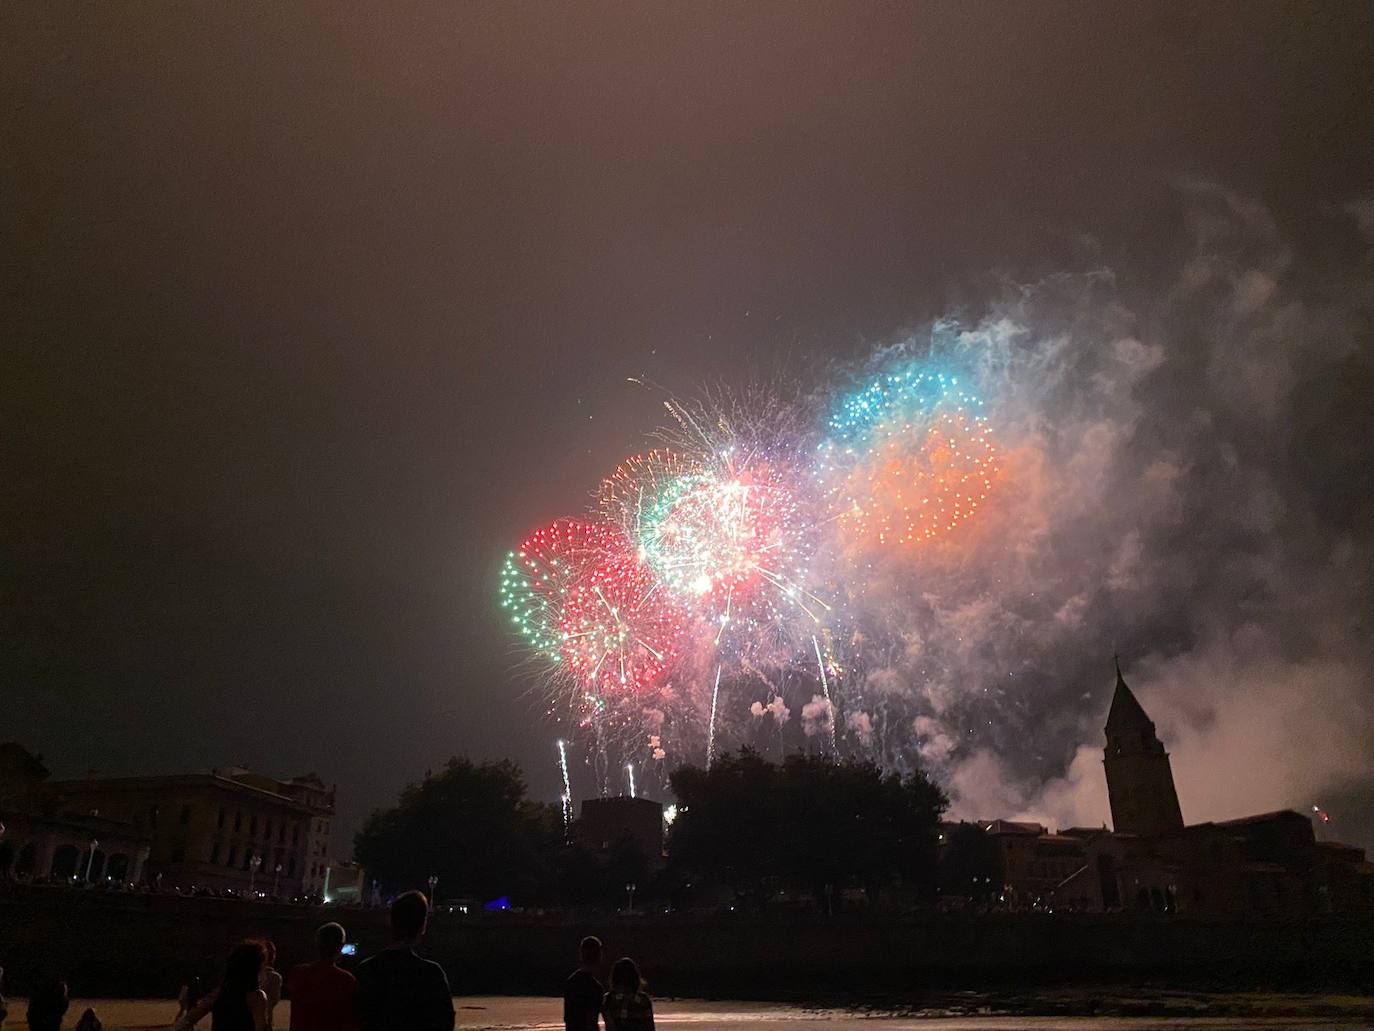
323	993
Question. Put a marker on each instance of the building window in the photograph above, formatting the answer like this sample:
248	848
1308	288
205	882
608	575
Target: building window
219	822
178	853
281	833
214	853
152	816
253	825
291	867
296	834
268	831
233	855
185	815
247	857
238	821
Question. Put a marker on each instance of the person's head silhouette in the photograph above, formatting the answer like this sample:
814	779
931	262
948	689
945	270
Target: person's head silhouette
625	976
409	917
329	940
589	952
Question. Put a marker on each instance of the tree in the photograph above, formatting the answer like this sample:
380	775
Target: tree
471	826
728	821
809	823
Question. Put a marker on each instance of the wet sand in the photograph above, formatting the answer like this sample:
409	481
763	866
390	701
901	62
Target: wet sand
542	1014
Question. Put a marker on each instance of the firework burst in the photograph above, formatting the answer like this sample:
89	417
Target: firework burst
538	577
620	630
635	488
695	575
909	458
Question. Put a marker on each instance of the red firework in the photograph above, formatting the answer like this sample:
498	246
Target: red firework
621	630
549	564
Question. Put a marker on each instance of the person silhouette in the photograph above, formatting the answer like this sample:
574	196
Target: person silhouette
239	1003
322	993
47	1005
397	990
582	992
627	1005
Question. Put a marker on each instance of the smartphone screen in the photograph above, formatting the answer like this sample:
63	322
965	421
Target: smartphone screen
350	949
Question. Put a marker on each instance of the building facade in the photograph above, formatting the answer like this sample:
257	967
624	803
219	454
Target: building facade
1269	866
309	792
1034	862
606	821
230	828
1150	862
40	843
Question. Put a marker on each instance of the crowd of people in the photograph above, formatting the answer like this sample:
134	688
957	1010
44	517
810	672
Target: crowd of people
394	990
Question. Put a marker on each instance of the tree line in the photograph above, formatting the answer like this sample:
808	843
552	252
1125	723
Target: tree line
748	832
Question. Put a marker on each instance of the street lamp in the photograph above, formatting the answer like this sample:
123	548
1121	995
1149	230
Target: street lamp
433	880
630	890
276	877
253	865
90	859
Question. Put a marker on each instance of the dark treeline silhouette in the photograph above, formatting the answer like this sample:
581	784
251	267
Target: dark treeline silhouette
806	826
472	826
748	829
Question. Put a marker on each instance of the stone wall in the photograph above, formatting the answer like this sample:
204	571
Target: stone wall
145	946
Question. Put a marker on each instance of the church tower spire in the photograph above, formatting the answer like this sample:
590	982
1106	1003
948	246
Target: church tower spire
1140	782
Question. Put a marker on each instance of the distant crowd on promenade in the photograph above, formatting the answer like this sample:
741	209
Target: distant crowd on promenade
110	886
394	990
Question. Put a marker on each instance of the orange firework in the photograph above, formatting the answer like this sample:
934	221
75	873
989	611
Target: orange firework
911	459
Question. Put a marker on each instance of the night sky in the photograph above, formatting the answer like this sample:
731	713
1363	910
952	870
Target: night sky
309	313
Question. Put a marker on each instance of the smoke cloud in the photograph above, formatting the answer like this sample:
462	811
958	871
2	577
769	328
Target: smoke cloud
1187	483
818	715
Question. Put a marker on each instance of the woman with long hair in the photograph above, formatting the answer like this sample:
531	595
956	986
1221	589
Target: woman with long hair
239	1003
627	1006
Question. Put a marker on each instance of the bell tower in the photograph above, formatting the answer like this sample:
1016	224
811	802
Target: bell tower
1140	782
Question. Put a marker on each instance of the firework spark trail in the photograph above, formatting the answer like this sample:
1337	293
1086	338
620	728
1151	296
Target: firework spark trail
567	783
630	769
711	730
825	689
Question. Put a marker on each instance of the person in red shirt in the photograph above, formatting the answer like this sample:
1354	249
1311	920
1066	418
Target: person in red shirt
322	993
